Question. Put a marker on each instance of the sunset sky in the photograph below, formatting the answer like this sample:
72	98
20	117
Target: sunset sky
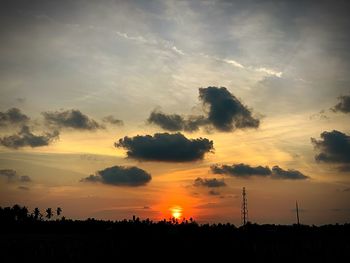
111	109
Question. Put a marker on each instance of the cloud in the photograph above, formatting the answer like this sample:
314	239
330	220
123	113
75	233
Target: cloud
171	122
241	170
175	122
209	182
234	63
24	188
120	176
25	179
165	147
269	71
92	179
9	174
159	43
26	138
226	112
71	119
344	168
12	176
246	171
334	147
112	120
213	192
279	173
343	105
13	116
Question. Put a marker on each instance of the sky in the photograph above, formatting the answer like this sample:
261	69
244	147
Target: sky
111	109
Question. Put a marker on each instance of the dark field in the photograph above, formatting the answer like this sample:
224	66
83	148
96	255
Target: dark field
90	240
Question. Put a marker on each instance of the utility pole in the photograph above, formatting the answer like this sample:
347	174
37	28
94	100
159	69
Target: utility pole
297	210
244	210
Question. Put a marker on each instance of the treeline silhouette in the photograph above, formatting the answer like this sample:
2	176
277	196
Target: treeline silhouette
28	236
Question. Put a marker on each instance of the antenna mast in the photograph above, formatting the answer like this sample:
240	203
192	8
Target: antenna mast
244	210
297	210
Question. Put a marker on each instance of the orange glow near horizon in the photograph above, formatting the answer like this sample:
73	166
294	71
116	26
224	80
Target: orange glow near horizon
177	203
176	212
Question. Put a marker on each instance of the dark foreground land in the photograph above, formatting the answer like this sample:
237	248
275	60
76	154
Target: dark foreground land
34	240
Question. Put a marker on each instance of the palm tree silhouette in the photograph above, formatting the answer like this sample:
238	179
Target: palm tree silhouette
58	211
49	213
37	214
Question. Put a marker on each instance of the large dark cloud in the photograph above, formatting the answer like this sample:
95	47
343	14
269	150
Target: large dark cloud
343	104
241	170
165	147
26	138
112	120
13	116
334	147
246	171
175	122
120	176
209	182
71	119
279	173
226	112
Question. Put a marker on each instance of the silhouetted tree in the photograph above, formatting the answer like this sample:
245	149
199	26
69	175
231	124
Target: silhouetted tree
19	213
49	213
58	211
37	214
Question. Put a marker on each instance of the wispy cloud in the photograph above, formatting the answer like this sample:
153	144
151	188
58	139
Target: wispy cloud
269	71
236	64
135	38
161	43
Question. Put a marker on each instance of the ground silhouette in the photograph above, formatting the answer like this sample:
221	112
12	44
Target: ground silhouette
26	236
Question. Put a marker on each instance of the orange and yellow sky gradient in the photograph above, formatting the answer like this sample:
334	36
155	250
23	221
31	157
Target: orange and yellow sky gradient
86	86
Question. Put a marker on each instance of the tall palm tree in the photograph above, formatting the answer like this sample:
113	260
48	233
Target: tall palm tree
49	213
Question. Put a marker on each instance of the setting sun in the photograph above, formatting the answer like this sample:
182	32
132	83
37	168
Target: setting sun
176	212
